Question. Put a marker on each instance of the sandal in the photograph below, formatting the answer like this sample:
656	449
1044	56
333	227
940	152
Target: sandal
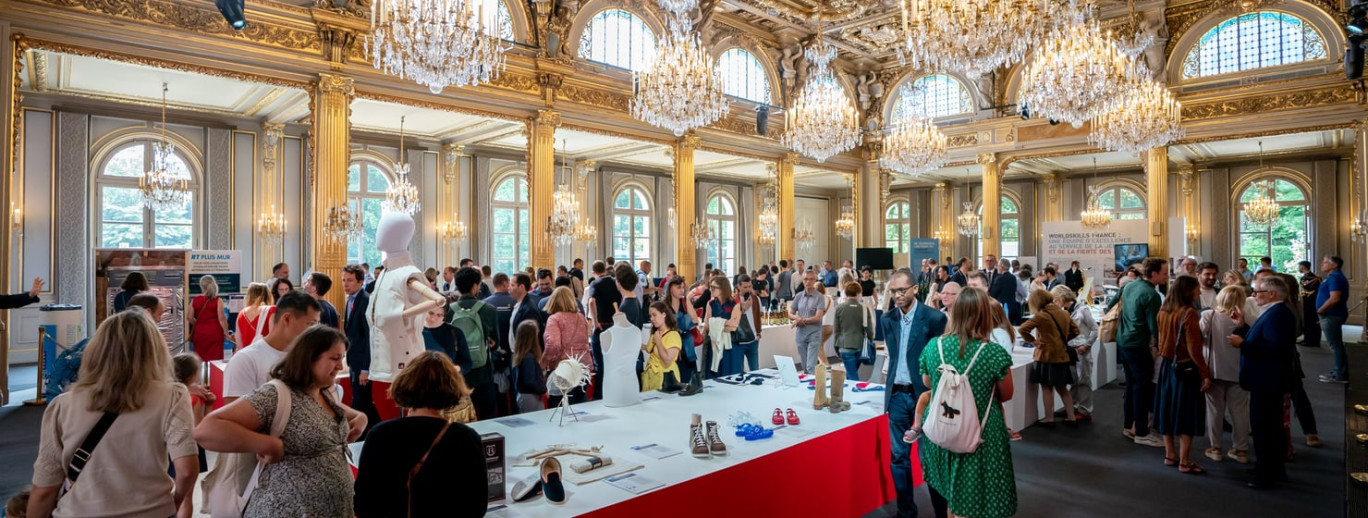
1191	468
1015	435
778	417
1169	461
792	416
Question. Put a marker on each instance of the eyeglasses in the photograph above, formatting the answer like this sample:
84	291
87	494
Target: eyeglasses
899	291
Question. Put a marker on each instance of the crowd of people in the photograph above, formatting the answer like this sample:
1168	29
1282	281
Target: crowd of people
1195	353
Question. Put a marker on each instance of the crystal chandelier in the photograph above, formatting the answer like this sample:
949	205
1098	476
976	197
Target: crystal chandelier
1095	216
162	188
343	225
271	226
1076	74
679	89
402	196
968	221
973	37
703	235
586	233
769	211
435	42
845	227
1139	40
454	230
1145	117
1262	211
804	236
822	121
565	207
915	145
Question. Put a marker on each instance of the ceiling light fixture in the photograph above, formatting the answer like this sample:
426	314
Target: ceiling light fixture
1095	216
435	43
1147	116
679	89
914	145
402	196
974	37
164	187
1262	211
822	121
1076	74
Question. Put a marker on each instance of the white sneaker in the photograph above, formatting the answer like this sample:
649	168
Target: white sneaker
1150	440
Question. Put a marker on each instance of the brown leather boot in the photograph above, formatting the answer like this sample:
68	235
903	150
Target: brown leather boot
698	439
819	400
837	403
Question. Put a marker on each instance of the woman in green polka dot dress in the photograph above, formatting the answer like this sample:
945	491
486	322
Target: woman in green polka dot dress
981	484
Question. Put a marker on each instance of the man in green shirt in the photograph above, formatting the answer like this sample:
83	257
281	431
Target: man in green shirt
1139	312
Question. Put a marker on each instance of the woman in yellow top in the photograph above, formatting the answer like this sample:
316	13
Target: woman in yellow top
662	349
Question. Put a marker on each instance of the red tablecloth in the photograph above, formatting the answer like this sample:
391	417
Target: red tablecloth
843	473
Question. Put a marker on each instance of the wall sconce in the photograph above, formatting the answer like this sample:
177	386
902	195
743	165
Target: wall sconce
271	226
1192	232
17	219
1358	230
454	230
942	235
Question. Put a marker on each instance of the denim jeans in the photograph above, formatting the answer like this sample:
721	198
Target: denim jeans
1333	327
596	347
747	353
1139	398
901	406
851	359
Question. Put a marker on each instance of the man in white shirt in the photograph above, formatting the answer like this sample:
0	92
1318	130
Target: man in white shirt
251	367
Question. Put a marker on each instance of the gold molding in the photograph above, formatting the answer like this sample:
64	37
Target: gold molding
966	140
78	50
597	97
1340	94
634	137
1266	133
419	103
191	18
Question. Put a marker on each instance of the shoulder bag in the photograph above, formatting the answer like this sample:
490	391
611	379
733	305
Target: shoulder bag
408	484
1186	370
82	454
867	353
1073	354
221	496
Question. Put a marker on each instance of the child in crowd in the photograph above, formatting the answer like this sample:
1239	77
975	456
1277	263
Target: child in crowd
527	375
915	432
186	367
17	507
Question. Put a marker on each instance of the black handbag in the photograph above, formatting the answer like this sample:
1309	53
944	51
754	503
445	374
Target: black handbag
1073	354
1186	370
743	333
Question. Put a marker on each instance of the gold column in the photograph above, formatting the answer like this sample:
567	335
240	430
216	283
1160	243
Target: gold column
331	157
1156	176
942	226
869	211
269	196
1187	200
11	50
541	184
992	205
786	200
856	215
1053	209
686	256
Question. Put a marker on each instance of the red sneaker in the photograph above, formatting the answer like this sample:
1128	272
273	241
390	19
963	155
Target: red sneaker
1082	417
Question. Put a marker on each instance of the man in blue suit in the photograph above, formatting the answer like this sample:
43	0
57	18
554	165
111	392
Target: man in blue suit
358	339
906	331
1267	349
1002	286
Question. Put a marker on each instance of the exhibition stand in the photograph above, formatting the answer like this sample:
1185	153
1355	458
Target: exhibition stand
837	464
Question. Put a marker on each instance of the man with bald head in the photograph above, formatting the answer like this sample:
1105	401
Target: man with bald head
948	294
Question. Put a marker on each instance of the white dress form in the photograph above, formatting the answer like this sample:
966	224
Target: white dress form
621	348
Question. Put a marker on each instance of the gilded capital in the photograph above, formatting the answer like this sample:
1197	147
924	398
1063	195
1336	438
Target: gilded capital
334	84
940	187
986	158
872	150
547	118
690	141
791	159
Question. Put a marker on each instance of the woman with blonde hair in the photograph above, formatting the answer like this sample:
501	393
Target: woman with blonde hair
566	337
1067	300
208	322
125	379
254	321
1225	399
1235	278
981	484
1050	328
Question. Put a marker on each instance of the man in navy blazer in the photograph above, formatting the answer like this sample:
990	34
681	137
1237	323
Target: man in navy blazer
1267	351
358	342
1002	286
906	330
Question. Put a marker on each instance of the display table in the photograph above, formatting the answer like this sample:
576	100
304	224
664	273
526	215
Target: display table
829	465
780	340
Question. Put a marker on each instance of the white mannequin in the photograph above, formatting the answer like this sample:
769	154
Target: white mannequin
621	346
400	299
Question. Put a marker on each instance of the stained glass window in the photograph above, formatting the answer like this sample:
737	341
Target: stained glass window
936	95
617	38
1255	40
742	76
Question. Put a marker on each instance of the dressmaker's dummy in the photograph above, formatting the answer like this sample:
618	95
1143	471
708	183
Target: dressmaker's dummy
621	346
401	298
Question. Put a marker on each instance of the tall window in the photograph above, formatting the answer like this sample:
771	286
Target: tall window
632	226
1255	40
898	227
1010	236
742	76
1286	240
366	186
1124	202
124	223
721	216
618	38
936	95
510	224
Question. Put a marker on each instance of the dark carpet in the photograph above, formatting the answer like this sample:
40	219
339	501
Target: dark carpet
1093	471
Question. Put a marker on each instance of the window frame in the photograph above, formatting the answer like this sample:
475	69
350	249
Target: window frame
1192	57
1241	233
722	61
901	226
522	242
148	217
632	215
1002	240
356	201
717	222
1119	213
967	107
648	49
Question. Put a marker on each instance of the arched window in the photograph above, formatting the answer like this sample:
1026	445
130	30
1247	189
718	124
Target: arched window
632	226
123	222
618	38
366	195
898	227
1287	239
1255	40
511	247
742	76
1124	202
721	217
1010	235
935	95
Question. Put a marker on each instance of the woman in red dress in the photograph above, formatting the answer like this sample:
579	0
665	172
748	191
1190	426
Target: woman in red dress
208	322
255	319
